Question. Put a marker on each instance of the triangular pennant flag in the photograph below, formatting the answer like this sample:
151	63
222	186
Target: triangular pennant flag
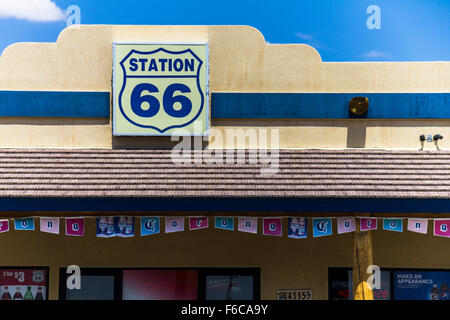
150	225
75	227
49	225
4	225
346	225
366	224
24	224
198	223
248	224
392	224
442	228
174	224
418	225
322	227
272	227
297	228
226	223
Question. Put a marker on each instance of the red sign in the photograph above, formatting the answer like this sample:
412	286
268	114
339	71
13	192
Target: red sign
23	284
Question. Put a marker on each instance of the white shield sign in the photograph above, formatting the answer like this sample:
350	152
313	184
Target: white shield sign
160	89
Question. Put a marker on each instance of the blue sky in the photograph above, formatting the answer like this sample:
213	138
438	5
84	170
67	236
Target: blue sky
411	30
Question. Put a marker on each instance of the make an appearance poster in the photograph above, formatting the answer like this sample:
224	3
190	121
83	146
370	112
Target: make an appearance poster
421	285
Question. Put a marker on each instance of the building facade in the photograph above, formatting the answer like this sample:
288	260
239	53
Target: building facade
294	147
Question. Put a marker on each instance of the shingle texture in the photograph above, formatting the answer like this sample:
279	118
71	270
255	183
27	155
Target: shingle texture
159	173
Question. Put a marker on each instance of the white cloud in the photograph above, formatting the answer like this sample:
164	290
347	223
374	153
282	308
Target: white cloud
33	10
304	36
377	54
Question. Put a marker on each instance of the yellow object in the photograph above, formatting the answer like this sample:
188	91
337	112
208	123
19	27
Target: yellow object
363	292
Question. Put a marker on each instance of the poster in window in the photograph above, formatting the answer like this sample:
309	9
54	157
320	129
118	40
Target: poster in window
421	285
23	284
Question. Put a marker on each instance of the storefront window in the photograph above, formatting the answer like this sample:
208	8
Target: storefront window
396	284
229	284
93	288
96	284
24	283
229	287
164	284
160	285
341	285
338	284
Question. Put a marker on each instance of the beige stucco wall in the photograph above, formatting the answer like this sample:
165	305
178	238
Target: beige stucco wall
285	263
240	60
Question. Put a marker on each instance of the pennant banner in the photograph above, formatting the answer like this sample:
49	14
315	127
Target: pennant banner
346	225
50	225
24	224
272	227
105	227
442	227
174	224
150	225
115	226
368	224
75	227
4	225
297	228
418	225
322	227
198	223
248	224
124	227
393	224
225	223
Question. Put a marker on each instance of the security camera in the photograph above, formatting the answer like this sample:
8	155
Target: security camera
437	137
422	137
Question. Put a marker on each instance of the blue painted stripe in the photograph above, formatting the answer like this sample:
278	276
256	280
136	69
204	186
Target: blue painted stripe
328	105
235	205
54	104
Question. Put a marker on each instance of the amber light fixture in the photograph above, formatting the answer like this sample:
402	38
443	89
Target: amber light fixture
359	105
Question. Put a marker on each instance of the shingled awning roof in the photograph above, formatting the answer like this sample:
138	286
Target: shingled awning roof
152	173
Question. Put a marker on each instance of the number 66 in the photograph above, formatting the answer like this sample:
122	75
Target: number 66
169	100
